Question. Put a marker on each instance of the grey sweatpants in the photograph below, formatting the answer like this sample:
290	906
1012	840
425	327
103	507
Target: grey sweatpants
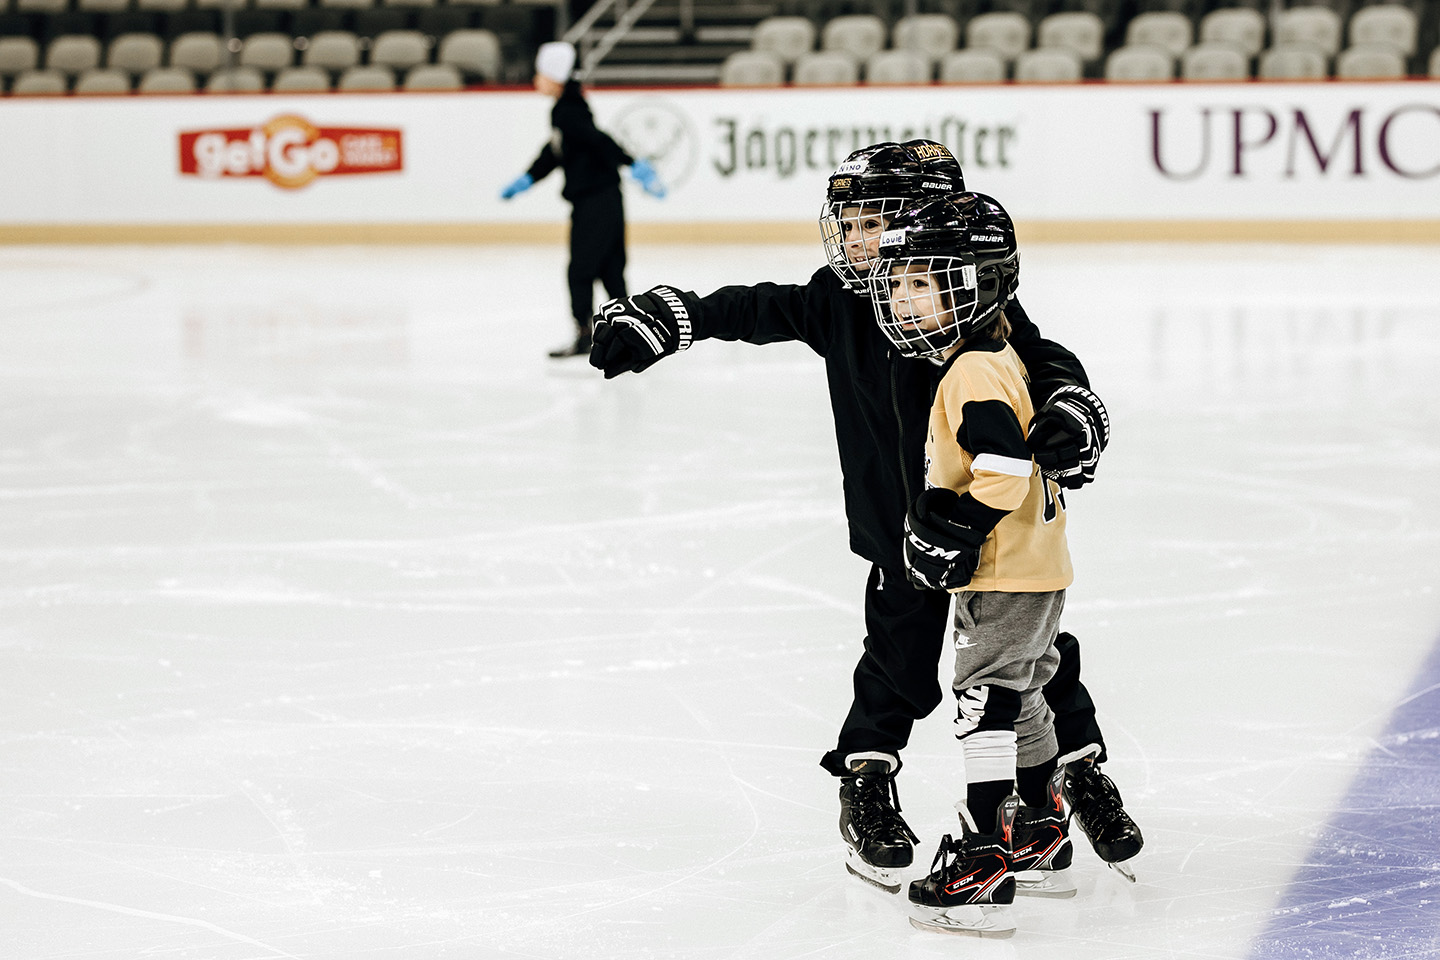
1004	646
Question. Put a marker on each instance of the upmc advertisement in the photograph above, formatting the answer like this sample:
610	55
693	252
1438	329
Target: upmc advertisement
1333	152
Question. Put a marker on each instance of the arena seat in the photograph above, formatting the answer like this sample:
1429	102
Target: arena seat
72	54
1370	61
102	81
1077	30
166	80
931	34
822	68
333	50
1240	27
1214	61
1005	32
861	35
367	78
1049	65
1390	23
39	83
1167	29
1315	26
267	51
1292	61
433	76
135	53
897	68
973	65
1140	63
752	68
301	79
475	53
18	54
784	37
400	49
236	80
199	52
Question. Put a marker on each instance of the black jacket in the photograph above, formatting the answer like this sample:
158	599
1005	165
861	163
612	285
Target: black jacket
881	401
590	159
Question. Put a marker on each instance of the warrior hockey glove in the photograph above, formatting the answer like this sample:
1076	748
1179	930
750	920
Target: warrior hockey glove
646	176
631	333
1068	433
940	553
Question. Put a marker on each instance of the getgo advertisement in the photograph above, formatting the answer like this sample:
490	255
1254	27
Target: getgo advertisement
290	152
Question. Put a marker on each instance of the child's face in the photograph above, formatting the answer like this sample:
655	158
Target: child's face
915	298
861	227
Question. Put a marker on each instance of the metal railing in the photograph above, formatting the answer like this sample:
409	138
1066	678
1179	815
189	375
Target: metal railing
627	14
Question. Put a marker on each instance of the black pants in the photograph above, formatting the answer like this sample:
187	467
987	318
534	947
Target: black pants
897	679
597	251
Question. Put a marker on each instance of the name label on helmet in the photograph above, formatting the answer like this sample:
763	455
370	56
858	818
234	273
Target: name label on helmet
935	185
987	237
840	183
932	151
851	166
968	277
892	237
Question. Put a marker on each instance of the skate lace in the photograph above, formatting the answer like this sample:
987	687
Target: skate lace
1097	802
878	809
946	854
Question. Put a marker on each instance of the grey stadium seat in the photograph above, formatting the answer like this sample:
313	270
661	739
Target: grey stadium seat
41	6
17	54
1004	31
1077	30
281	4
973	65
1435	64
1388	23
826	68
135	52
303	79
220	4
897	68
367	78
785	37
409	3
1049	65
72	53
1214	61
434	76
38	83
862	35
400	49
348	4
102	81
100	6
167	80
1240	27
1166	29
752	68
1370	61
332	50
1317	26
238	80
1140	63
1293	61
202	52
473	52
931	34
267	51
167	6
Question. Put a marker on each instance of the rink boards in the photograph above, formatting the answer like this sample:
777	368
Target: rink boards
1249	161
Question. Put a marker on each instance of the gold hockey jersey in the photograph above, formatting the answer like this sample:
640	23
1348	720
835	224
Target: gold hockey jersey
976	447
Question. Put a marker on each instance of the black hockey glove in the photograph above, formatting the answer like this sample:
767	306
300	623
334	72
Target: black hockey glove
632	333
941	553
1067	434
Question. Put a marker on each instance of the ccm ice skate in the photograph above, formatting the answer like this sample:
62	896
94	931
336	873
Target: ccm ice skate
878	841
1042	848
1101	815
970	881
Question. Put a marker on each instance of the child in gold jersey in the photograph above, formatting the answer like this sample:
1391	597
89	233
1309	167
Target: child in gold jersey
989	528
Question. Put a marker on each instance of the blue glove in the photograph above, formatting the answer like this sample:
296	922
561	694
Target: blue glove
646	176
519	185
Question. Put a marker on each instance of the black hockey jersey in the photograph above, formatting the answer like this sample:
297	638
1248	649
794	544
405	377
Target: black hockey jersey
590	158
880	400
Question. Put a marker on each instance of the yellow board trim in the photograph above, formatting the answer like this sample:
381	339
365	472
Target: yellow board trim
1118	231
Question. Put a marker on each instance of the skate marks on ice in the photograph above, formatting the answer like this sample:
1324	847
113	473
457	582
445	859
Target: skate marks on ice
1370	887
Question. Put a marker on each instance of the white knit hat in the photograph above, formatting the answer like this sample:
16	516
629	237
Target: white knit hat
555	60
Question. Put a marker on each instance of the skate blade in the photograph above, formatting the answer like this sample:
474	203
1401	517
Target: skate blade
1124	870
1054	884
966	921
888	880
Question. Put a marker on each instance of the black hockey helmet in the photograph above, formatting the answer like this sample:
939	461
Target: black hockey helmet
946	269
869	188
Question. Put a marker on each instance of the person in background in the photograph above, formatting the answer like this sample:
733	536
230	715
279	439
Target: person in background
591	160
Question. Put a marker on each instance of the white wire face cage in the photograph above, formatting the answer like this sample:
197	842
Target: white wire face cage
924	305
850	232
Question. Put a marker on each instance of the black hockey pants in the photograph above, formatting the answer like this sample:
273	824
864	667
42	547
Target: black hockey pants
597	252
897	678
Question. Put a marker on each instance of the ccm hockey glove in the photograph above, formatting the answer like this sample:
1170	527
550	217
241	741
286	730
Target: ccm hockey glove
631	333
1068	433
940	553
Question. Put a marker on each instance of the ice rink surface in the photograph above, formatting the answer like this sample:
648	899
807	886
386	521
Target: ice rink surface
341	623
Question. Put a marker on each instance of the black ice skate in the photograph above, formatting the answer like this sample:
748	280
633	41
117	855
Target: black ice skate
1042	848
580	348
878	841
970	880
1101	816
